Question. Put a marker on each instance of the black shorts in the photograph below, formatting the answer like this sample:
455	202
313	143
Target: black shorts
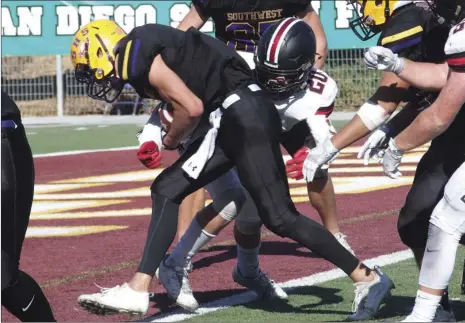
17	195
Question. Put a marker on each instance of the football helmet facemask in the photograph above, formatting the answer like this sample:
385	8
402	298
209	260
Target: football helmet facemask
93	58
284	57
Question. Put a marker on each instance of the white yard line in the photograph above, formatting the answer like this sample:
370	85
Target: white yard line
77	152
247	297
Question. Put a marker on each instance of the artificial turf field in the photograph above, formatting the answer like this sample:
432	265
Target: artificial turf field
92	209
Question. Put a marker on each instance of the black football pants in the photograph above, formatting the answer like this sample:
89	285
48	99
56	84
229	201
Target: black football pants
248	138
21	295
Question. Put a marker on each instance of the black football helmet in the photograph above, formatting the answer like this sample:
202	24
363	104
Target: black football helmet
285	56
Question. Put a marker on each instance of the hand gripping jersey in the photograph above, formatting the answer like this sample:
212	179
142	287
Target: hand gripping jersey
210	69
312	105
239	23
455	47
414	33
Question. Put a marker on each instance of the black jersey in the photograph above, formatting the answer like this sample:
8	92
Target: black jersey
210	69
239	23
10	110
413	32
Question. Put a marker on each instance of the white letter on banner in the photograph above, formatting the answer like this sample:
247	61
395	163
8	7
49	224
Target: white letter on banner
68	20
316	5
102	12
8	27
180	10
344	13
146	14
124	16
30	21
85	14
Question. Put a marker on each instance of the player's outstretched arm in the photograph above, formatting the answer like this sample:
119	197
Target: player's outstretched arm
433	121
374	112
313	20
187	107
193	19
426	76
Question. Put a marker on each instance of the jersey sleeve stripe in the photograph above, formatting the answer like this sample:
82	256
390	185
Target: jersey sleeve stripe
405	44
325	111
134	56
127	52
402	35
456	62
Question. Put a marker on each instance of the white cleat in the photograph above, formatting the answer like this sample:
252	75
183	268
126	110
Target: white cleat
370	295
263	286
342	239
119	299
176	282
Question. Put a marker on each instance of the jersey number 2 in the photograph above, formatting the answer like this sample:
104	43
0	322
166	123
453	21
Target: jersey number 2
317	82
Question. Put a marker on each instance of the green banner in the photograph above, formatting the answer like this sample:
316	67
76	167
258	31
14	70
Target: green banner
46	27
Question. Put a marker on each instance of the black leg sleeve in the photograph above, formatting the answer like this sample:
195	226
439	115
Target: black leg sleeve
25	300
249	135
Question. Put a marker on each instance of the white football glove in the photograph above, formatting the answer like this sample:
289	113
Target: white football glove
374	147
151	132
383	59
391	160
317	157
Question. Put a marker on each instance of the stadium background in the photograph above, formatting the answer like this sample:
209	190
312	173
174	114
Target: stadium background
36	69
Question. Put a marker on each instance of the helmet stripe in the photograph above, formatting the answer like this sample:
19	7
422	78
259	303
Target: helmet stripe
280	33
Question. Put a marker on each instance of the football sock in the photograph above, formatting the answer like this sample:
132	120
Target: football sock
247	261
425	306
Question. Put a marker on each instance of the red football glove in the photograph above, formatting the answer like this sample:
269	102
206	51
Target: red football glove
149	155
294	166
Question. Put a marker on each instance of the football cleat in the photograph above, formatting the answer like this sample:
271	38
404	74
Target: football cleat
370	295
119	299
263	286
177	285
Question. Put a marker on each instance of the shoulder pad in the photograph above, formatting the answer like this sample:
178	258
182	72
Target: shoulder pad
455	46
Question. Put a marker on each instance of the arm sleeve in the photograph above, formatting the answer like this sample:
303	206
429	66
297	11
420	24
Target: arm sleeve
455	47
204	7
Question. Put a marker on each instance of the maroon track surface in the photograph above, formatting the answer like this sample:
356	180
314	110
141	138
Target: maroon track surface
68	266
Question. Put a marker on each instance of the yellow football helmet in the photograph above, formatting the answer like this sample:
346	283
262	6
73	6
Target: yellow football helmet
371	16
93	58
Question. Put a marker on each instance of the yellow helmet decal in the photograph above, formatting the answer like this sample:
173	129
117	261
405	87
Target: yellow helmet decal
93	45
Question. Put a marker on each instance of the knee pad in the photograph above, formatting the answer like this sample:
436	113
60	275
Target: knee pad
412	225
248	222
439	258
229	203
281	224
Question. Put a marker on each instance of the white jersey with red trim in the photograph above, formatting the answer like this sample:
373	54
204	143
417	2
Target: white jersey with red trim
317	99
455	47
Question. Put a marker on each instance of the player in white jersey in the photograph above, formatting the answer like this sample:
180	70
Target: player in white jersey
447	223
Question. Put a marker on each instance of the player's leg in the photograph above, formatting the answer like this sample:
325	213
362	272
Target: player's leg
249	135
321	191
168	191
228	197
447	225
247	272
188	209
21	294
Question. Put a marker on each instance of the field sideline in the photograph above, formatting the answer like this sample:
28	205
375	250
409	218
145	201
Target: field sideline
92	208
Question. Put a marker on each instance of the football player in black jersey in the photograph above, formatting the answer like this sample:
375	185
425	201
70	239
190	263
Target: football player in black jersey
196	74
413	31
21	294
447	223
239	24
